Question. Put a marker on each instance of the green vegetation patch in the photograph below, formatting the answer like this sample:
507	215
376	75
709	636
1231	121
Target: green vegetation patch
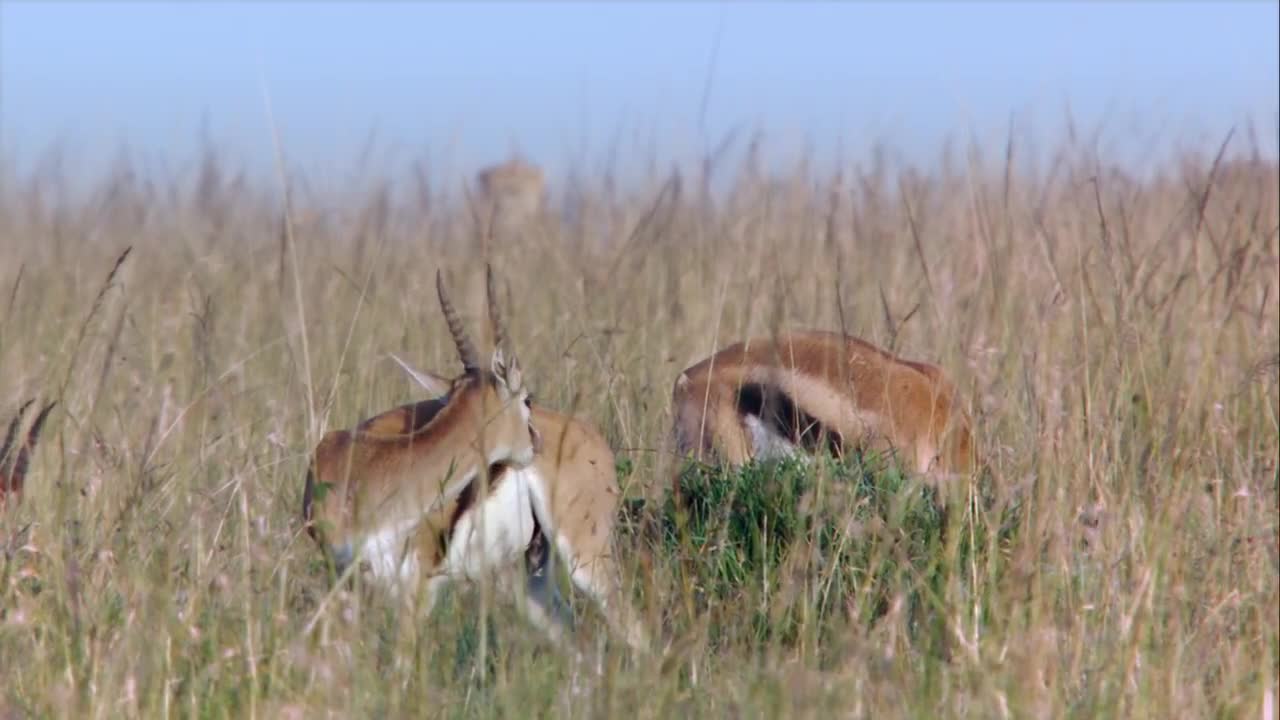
794	551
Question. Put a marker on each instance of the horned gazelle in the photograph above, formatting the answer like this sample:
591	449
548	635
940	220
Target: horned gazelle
441	489
15	459
767	397
575	470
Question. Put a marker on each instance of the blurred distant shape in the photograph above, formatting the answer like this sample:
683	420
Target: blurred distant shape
511	195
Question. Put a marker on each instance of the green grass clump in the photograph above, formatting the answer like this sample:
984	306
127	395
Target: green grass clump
800	552
841	529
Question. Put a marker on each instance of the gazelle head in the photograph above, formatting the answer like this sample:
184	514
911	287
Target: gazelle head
393	468
507	435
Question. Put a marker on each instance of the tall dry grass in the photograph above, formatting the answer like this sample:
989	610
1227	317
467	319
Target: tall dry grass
1116	337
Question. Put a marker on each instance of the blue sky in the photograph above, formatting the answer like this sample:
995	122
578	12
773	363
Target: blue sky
468	82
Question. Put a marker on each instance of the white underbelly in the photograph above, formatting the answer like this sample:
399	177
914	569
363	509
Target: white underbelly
389	559
496	531
766	444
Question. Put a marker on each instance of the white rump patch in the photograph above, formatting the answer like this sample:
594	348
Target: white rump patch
766	444
488	537
496	531
541	502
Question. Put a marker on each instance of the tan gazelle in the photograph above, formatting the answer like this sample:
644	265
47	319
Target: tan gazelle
575	471
374	494
441	490
795	393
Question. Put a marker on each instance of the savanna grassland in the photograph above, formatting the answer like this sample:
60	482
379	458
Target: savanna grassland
1115	338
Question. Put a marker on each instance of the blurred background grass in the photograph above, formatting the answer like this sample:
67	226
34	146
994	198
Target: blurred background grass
1115	336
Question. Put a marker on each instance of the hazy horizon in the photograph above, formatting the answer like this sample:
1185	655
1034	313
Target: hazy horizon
571	83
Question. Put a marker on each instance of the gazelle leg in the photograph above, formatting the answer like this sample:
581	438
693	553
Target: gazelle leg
542	602
600	579
546	609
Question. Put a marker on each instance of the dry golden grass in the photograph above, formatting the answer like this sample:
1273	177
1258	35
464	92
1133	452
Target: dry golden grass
1117	339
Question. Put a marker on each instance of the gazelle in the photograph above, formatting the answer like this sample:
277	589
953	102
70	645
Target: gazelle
767	397
575	470
437	491
15	460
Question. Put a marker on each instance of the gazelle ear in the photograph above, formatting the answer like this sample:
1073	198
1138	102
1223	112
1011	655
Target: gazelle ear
515	377
507	370
434	384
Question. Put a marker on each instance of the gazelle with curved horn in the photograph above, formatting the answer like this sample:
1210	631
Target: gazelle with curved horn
576	472
807	389
14	460
417	493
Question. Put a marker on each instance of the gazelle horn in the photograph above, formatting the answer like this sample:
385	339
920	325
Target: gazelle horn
466	351
495	312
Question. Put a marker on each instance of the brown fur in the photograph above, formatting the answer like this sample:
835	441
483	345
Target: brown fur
858	394
579	472
15	461
395	465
